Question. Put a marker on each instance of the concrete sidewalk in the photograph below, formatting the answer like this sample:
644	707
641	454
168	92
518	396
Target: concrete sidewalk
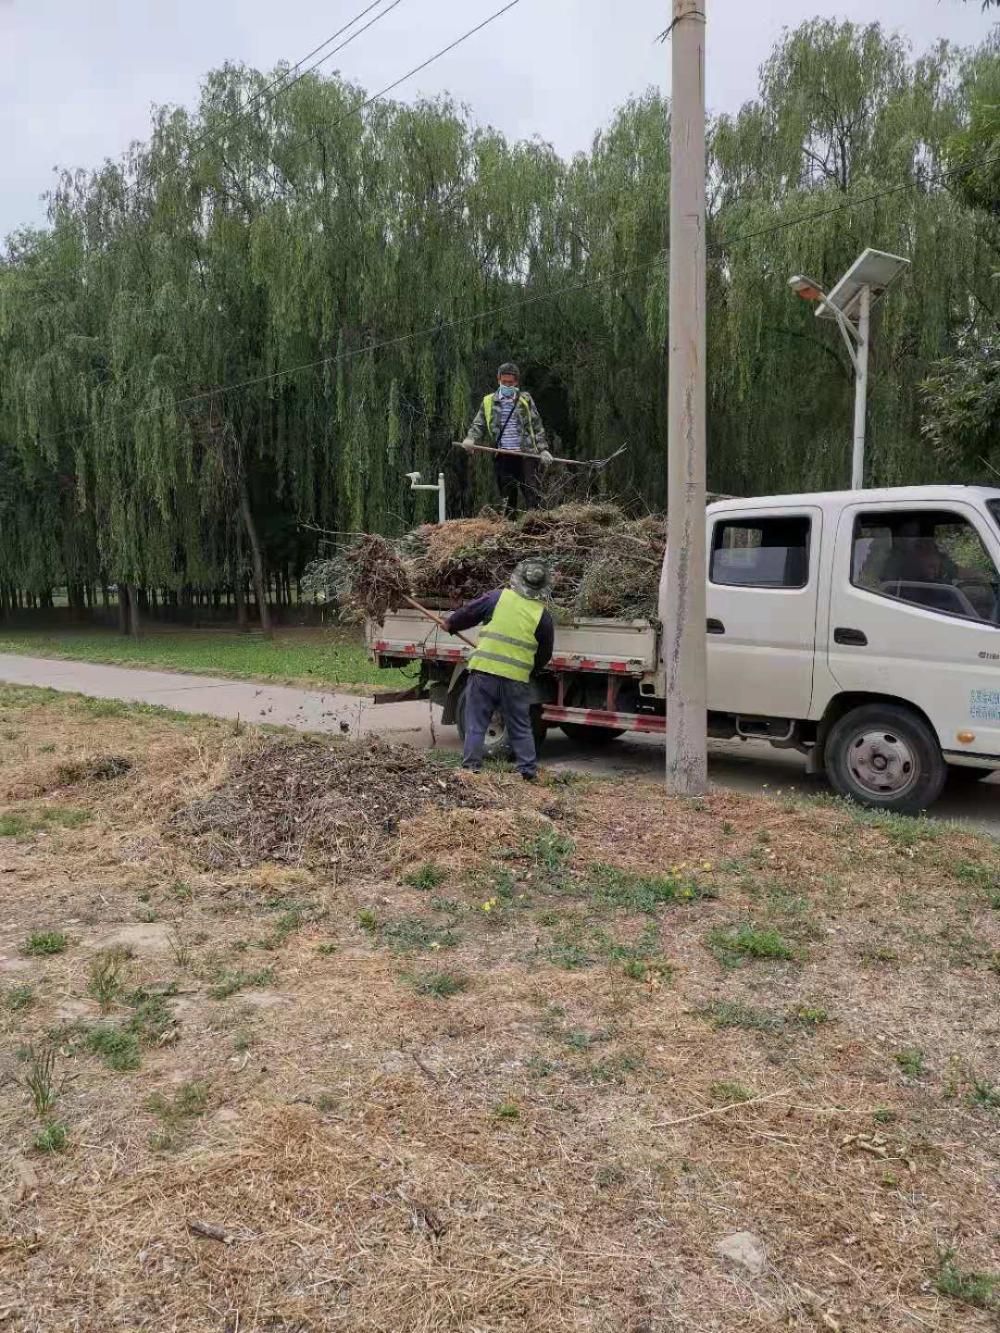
281	705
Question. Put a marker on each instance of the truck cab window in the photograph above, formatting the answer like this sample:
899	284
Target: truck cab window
929	558
761	552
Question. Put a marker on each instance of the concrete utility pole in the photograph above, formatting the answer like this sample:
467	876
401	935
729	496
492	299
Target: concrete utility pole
683	602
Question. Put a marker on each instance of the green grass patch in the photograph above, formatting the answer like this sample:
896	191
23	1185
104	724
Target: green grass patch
985	879
190	1099
985	1095
117	1046
748	943
440	985
52	1138
911	1061
427	877
979	1290
414	934
631	892
18	998
310	657
228	983
18	823
903	831
730	1014
45	943
724	1093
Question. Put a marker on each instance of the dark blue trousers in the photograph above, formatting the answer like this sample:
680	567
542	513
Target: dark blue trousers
485	695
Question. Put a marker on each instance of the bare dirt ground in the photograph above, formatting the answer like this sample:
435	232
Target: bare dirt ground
403	1050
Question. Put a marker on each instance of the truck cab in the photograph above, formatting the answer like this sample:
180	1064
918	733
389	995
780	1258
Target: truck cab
862	627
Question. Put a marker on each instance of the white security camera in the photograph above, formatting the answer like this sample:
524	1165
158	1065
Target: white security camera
414	477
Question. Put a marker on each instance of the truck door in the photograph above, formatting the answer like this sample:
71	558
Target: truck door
762	596
915	614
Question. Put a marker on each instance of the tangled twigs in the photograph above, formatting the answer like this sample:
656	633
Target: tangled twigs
375	577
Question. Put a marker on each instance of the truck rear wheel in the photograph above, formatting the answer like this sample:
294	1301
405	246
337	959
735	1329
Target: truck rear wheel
885	757
587	735
497	746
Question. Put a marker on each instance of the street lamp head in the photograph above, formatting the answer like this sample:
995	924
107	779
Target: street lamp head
806	288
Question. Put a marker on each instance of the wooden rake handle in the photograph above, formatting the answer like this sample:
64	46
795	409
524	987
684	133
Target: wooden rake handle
437	620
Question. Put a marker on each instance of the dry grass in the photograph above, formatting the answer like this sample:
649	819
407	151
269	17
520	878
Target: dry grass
555	1147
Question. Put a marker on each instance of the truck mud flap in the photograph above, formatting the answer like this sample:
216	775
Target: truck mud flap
415	693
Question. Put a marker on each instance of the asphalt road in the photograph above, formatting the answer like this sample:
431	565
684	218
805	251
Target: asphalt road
743	766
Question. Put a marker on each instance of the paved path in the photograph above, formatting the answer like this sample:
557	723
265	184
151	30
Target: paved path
745	767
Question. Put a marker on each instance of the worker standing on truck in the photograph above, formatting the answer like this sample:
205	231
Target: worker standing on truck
516	641
511	423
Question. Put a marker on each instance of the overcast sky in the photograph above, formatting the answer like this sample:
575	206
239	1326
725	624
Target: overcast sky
77	77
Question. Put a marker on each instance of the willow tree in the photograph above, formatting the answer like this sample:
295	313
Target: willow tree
254	323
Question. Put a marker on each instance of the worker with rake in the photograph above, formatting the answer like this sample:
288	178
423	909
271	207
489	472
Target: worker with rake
516	640
511	422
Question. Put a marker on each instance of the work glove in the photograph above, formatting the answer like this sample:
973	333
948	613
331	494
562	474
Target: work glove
545	458
466	445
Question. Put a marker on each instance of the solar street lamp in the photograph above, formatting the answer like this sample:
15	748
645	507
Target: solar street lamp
850	304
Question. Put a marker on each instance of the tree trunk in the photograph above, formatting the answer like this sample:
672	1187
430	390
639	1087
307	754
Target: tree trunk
256	559
240	582
128	609
134	625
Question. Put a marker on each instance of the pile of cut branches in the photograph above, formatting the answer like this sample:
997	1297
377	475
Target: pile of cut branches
317	801
603	562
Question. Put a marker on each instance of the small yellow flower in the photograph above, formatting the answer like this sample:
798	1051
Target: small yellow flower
706	865
435	944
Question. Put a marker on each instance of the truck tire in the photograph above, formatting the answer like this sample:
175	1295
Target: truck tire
587	735
497	746
885	757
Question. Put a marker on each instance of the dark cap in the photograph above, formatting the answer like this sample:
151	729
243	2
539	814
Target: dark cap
508	368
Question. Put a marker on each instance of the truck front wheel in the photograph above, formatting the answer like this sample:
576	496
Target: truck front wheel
885	757
497	746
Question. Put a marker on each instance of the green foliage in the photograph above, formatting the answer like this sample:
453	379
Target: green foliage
40	1078
426	877
632	892
15	823
107	972
53	1137
18	998
748	943
967	1288
229	983
190	1099
910	1061
317	236
117	1045
44	943
441	985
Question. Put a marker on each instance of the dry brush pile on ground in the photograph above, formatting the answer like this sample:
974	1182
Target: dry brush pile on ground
513	1060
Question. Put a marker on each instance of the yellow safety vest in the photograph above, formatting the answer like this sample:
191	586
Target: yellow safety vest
522	405
507	645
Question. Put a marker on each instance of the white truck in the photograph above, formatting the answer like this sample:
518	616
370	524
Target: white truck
861	628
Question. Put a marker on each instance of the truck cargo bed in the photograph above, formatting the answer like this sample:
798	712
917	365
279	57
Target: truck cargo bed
619	647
